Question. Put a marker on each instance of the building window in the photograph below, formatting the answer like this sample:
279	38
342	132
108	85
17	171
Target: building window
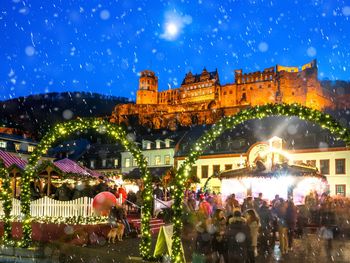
228	166
17	146
148	146
311	163
127	162
116	162
340	189
216	169
157	160
104	162
158	144
3	144
340	166
167	159
204	171
92	164
167	143
194	171
134	162
324	166
30	148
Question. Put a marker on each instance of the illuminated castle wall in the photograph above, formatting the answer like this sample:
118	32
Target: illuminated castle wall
201	99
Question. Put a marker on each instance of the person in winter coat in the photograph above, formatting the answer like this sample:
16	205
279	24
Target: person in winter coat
247	204
253	222
219	242
266	222
122	193
34	191
63	193
291	217
82	190
204	239
158	192
238	240
205	208
283	227
132	198
139	200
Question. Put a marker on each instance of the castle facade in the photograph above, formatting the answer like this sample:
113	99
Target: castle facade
201	99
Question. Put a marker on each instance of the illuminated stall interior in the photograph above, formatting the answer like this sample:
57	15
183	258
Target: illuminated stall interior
65	169
270	170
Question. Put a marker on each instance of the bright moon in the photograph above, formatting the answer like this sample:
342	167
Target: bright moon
172	29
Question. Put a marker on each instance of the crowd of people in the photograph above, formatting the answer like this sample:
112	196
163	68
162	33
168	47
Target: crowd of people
236	231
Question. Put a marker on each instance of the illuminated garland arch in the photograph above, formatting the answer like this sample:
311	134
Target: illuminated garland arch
6	197
226	123
80	125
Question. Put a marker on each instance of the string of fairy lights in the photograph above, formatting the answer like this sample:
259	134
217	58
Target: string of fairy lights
73	220
226	123
116	132
6	197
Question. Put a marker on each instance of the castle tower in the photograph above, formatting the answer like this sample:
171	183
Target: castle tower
148	88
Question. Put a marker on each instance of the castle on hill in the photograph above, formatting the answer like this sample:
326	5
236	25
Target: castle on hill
201	99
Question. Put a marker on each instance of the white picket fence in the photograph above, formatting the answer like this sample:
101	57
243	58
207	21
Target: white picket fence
49	207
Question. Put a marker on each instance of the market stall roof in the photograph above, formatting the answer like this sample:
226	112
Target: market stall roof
279	170
156	173
12	160
68	167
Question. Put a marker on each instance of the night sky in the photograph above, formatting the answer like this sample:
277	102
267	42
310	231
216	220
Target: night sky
101	46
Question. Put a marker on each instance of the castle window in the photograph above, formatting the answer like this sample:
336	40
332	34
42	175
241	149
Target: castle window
260	87
292	93
230	91
269	85
251	88
224	92
243	89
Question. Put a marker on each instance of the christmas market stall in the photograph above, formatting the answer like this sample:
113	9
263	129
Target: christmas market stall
286	180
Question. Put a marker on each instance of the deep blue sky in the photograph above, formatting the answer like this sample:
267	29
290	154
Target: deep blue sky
100	46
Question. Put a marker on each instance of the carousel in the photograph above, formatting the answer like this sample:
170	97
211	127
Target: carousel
270	170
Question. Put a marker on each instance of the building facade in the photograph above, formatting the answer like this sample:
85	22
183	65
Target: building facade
332	162
202	99
159	151
19	145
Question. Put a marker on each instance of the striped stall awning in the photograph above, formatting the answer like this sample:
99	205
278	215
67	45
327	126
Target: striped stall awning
70	167
10	159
